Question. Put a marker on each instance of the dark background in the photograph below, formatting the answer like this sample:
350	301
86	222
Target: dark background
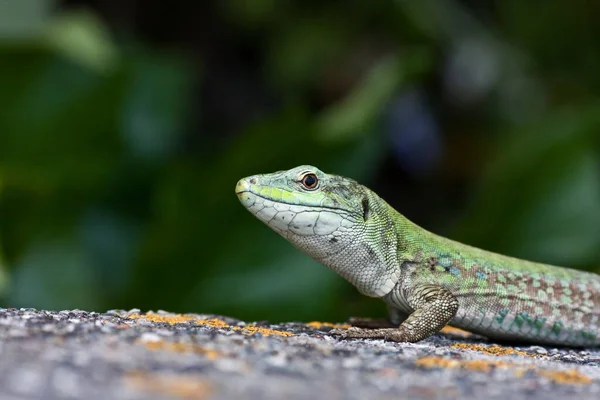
124	126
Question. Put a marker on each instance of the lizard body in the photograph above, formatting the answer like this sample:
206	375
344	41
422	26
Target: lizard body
427	280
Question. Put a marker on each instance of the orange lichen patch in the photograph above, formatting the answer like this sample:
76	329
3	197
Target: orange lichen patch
251	329
180	348
173	319
485	366
450	330
491	350
473	365
319	325
169	319
570	377
186	386
213	323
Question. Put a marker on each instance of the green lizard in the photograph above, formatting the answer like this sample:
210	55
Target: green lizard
426	280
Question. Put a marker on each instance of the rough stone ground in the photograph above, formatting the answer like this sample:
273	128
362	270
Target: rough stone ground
129	355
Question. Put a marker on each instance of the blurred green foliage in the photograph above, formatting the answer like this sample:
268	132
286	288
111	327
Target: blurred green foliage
121	141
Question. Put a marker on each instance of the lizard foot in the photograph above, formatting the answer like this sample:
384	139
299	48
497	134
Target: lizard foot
390	334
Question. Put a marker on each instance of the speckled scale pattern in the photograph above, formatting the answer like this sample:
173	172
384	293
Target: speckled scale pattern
429	279
503	297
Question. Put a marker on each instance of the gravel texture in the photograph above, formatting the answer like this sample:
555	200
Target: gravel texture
131	355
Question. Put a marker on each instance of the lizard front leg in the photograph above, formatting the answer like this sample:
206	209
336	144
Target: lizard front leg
434	306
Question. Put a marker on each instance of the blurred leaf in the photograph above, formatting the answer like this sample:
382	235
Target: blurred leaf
352	116
81	37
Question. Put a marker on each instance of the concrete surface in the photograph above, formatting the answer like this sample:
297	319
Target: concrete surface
130	355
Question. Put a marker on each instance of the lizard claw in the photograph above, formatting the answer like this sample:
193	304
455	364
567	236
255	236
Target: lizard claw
346	333
338	332
389	334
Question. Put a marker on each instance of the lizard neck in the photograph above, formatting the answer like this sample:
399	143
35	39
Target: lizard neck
368	257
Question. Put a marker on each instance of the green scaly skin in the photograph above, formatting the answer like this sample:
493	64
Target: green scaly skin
426	280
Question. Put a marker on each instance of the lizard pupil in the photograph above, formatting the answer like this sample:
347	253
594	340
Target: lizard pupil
310	181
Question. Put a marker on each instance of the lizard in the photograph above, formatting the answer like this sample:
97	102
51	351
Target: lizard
426	280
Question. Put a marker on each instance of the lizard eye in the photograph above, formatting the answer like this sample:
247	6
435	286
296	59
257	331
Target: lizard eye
310	181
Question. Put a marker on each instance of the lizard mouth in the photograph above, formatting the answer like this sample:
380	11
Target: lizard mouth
246	191
242	186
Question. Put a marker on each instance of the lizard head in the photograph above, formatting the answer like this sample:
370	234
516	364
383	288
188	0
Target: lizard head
333	219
